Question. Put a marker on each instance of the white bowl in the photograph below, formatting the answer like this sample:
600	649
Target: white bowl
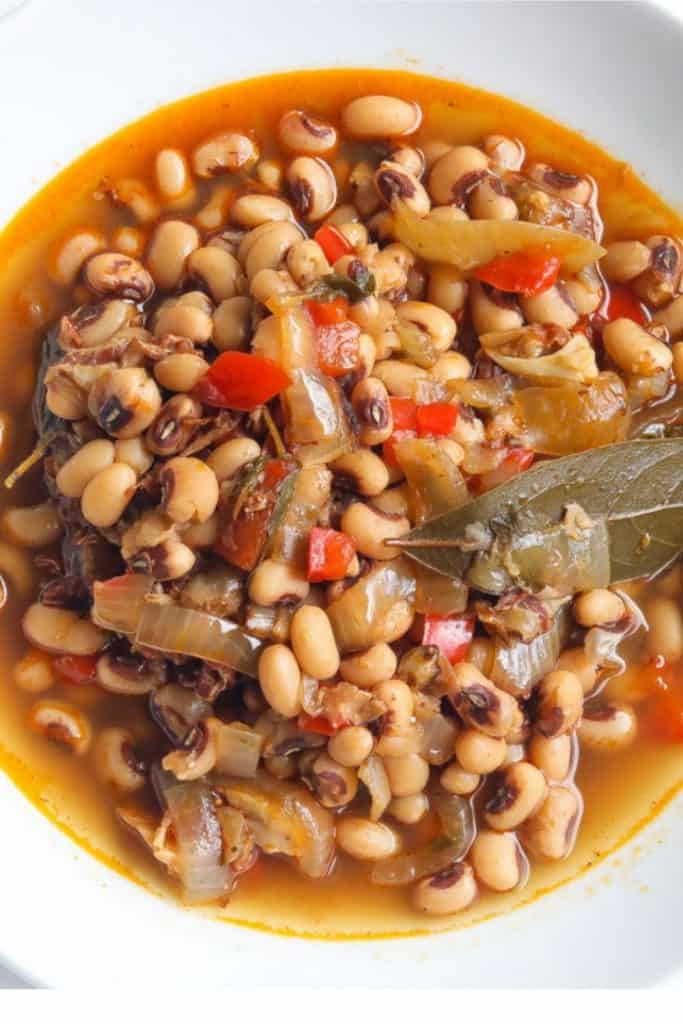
72	73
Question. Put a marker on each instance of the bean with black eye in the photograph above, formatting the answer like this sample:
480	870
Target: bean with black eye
115	274
98	323
272	582
253	209
135	454
371	405
396	184
608	728
307	262
585	290
447	892
116	761
398	376
268	248
623	261
301	132
489	201
61	631
312	187
505	154
411	159
380	117
280	679
218	271
230	456
351	745
447	289
169	248
552	755
493	310
436	322
232	323
370	528
560	703
62	723
172	173
455	779
553	306
227	152
184	319
497	860
180	371
455	174
568	186
174	426
659	282
366	198
518	792
635	350
367	668
107	495
479	703
550	833
124	401
76	472
167	560
361	471
189	490
72	253
333	784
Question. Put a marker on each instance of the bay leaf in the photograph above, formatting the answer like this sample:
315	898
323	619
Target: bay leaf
636	487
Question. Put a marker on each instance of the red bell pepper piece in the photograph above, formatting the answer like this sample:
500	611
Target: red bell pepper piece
77	669
527	273
338	348
336	311
436	419
241	380
404	413
389	446
515	462
241	538
318	723
663	718
452	634
332	243
623	303
329	554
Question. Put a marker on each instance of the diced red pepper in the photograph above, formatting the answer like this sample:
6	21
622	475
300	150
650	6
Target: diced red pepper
318	723
452	634
404	413
336	311
436	419
515	462
338	348
329	554
241	380
389	446
241	538
526	273
332	243
77	669
623	303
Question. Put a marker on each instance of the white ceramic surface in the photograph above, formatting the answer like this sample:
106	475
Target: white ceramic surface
70	73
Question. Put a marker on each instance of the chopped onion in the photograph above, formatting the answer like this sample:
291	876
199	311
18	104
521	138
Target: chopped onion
438	855
416	344
203	874
436	594
487	393
238	750
574	362
298	350
472	243
317	429
456	817
435	484
362	616
374	777
269	622
518	666
118	603
438	738
175	630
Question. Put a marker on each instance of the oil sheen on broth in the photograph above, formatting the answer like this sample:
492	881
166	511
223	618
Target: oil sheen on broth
621	790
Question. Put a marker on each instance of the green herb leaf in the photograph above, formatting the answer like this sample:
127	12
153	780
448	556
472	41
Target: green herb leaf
633	490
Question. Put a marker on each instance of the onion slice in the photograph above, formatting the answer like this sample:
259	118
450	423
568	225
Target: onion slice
174	630
374	777
118	603
238	749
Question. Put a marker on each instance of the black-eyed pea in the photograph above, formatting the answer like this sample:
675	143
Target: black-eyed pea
552	755
351	745
189	490
665	634
355	233
367	351
477	753
598	607
230	456
124	401
568	186
66	261
61	631
269	247
623	261
280	679
396	185
253	209
33	526
451	366
272	582
455	779
410	158
635	350
497	860
170	245
268	283
281	766
436	322
409	809
180	371
313	642
380	117
552	306
214	213
608	728
115	275
197	760
107	495
122	679
362	471
366	198
136	197
658	284
576	660
300	132
342	214
369	667
407	775
227	152
232	323
447	892
560	702
312	187
185	319
307	262
34	672
370	528
447	289
585	290
456	173
416	285
270	173
489	201
201	536
505	154
479	703
175	425
172	173
518	792
95	324
129	240
493	310
550	833
398	698
367	840
116	761
62	723
16	568
432	150
370	401
399	378
216	271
